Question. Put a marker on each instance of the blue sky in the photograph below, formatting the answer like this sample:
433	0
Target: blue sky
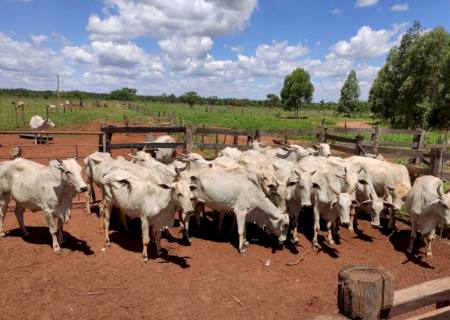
227	48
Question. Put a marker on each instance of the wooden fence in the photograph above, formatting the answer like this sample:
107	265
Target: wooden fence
368	293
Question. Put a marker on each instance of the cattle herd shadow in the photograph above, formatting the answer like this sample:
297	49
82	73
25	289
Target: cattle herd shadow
41	236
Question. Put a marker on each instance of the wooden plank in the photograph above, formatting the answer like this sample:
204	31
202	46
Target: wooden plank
414	170
340	139
342	148
32	136
402	152
438	314
84	133
395	144
148	145
421	295
142	129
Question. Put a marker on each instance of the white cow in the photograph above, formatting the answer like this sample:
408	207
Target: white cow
390	181
154	204
39	123
164	155
428	207
330	204
226	191
37	187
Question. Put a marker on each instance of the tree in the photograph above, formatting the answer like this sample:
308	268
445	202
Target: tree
190	98
124	94
297	90
411	88
272	100
349	100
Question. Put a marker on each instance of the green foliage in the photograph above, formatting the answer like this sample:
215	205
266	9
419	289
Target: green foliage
190	98
412	88
273	100
124	94
349	100
297	90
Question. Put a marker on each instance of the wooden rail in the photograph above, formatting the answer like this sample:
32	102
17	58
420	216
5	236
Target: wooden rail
76	133
368	293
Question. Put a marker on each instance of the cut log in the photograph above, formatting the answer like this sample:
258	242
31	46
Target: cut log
365	292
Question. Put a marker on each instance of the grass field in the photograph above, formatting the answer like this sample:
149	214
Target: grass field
214	116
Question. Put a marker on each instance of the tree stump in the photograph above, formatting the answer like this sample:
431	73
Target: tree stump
365	292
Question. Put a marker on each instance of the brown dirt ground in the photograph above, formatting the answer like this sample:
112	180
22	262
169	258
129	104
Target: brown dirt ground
204	281
355	124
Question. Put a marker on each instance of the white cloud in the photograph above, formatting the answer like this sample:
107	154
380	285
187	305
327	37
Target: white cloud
26	65
60	39
400	7
38	38
159	19
193	46
365	3
367	43
337	11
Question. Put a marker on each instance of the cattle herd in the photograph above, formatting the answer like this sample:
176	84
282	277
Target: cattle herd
269	186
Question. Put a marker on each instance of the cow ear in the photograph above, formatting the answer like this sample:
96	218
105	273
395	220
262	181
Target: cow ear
166	186
355	202
363	181
194	179
366	202
316	186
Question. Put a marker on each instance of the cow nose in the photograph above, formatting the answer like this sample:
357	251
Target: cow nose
345	224
84	189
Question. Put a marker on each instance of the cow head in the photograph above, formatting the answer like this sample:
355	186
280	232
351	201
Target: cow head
182	194
301	182
343	203
322	149
376	205
396	195
70	173
279	225
442	205
48	123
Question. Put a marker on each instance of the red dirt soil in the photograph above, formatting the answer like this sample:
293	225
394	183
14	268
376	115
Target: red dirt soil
208	280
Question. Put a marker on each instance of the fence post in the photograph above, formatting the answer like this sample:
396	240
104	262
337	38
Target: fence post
189	138
235	139
257	135
418	142
321	135
437	161
365	292
216	151
22	116
358	145
374	139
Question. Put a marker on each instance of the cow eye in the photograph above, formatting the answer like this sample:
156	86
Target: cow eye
180	195
285	226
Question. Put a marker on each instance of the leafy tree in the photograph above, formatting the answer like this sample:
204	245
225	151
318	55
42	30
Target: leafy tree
349	100
412	89
190	98
123	94
297	90
272	100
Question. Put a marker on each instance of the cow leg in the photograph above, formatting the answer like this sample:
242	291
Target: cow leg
88	198
353	220
19	215
3	209
240	218
330	234
60	231
184	217
428	241
53	227
391	224
157	237
316	228
293	224
106	218
145	237
221	218
413	236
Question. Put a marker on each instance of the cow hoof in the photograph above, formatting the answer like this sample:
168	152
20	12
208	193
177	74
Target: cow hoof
246	244
186	241
57	250
242	251
145	259
2	234
316	247
107	244
429	255
294	241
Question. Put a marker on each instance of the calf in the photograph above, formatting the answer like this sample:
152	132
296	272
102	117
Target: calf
428	207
